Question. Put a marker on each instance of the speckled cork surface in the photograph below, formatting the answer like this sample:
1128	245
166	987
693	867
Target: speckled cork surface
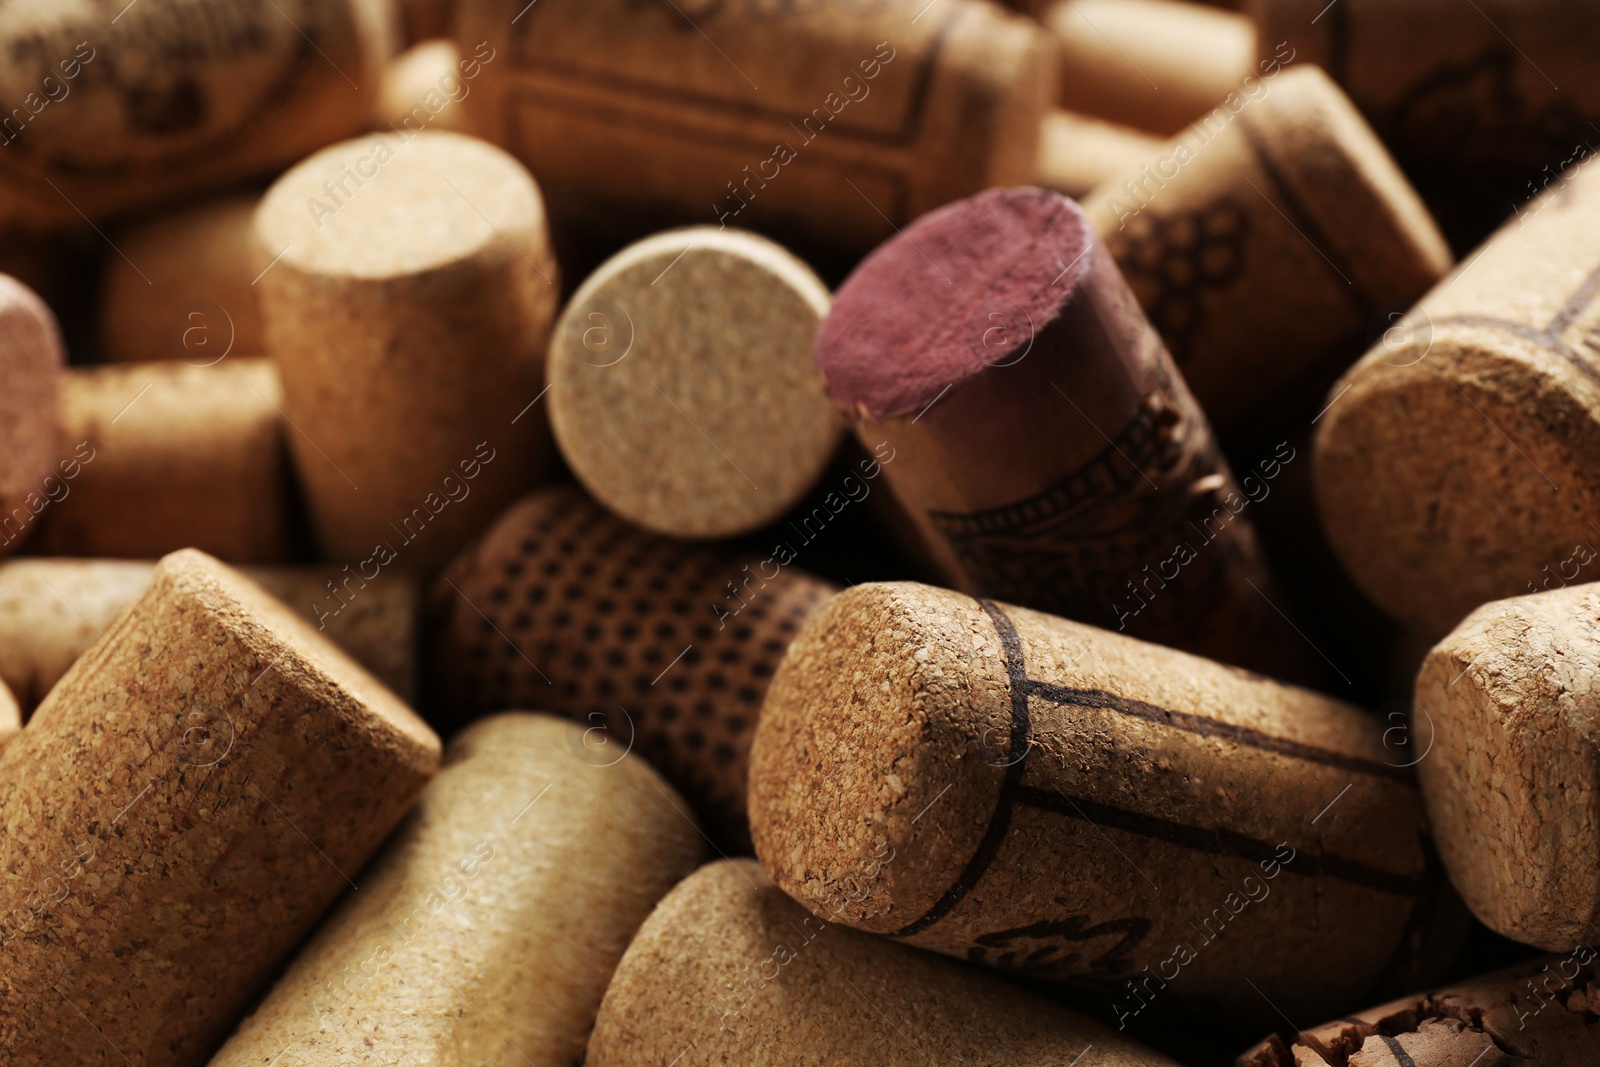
488	929
177	815
31	361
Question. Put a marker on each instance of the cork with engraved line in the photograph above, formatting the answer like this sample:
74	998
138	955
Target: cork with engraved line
1077	805
32	362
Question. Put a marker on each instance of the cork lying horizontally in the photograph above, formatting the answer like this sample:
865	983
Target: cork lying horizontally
1082	806
179	812
31	362
728	970
488	928
654	645
1077	153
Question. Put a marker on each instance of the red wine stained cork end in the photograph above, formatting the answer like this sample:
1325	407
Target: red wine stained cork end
31	362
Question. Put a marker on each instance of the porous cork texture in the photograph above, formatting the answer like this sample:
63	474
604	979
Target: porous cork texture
488	928
1510	701
769	982
1076	805
563	607
182	808
31	362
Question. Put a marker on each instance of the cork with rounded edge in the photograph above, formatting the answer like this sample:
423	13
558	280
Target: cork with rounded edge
189	297
769	982
31	362
1460	457
422	89
1078	152
175	456
1082	806
10	715
487	930
654	645
1267	243
682	391
181	809
1509	700
409	315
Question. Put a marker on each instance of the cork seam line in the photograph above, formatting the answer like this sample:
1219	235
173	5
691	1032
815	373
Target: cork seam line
1401	1056
1549	336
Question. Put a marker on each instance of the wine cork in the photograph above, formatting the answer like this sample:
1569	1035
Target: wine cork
31	362
1077	153
488	928
189	297
1155	65
422	88
835	122
655	645
1540	1013
108	110
10	715
1046	447
769	982
1460	458
53	610
1265	241
682	391
1081	806
179	812
409	312
175	456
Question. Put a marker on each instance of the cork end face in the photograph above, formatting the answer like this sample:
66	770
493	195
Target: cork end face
31	368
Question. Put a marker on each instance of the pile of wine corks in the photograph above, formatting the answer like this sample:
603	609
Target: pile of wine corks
741	532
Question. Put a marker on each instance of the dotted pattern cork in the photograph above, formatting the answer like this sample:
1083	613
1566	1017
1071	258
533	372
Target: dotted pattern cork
682	391
487	930
654	645
31	361
1077	805
770	982
1077	152
180	810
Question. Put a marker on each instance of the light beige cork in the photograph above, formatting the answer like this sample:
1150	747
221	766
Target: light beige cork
728	970
656	646
10	715
182	808
1078	805
487	930
409	314
682	390
1267	243
422	89
1077	153
31	367
835	122
175	456
1459	460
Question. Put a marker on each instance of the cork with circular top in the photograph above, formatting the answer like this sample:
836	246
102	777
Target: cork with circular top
31	368
182	808
488	928
1459	460
1078	805
771	982
682	391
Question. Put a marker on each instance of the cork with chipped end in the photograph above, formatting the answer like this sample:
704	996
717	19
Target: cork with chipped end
1513	784
409	315
655	645
53	610
1267	244
175	456
1460	457
1047	449
487	930
31	362
1077	152
770	982
682	391
1078	805
182	808
1542	1013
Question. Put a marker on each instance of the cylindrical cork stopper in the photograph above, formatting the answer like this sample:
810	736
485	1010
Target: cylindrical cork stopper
836	121
1513	782
10	715
1459	460
184	291
31	362
1082	806
185	804
1542	1013
1265	242
653	644
1045	446
1154	65
682	390
423	88
409	313
770	982
1077	153
171	456
487	930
